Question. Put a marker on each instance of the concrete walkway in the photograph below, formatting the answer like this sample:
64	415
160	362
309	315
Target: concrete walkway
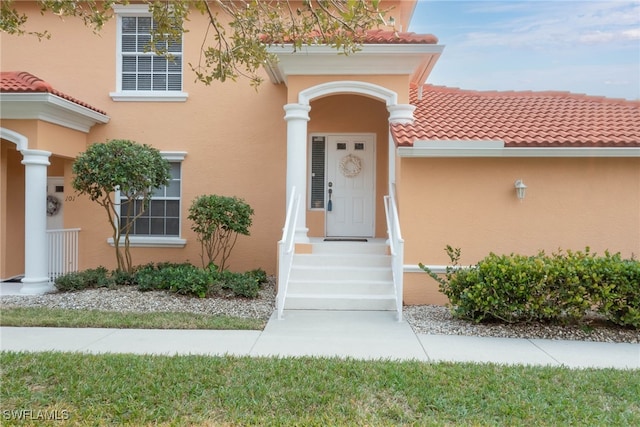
346	334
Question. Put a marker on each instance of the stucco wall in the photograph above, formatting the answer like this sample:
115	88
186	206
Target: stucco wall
11	211
471	204
234	136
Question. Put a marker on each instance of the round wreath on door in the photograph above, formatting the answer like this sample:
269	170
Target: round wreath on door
350	166
53	205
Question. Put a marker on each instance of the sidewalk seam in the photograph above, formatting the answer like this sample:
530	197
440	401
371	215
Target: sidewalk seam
545	352
111	332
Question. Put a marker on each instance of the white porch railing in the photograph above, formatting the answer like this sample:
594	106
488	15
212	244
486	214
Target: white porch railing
286	250
396	245
63	252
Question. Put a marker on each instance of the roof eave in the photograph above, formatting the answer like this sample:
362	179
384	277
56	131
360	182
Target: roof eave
413	59
50	108
492	149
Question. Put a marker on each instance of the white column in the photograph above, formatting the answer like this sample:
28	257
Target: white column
400	114
36	280
297	116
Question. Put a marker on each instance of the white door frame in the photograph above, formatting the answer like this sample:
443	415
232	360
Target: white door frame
373	137
297	116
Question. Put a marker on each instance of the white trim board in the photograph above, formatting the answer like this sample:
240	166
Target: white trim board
496	148
50	108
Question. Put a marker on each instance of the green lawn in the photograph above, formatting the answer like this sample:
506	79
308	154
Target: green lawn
62	318
197	390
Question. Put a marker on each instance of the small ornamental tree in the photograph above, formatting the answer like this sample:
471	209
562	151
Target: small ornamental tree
218	220
135	170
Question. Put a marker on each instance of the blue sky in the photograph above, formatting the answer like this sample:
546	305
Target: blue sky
590	47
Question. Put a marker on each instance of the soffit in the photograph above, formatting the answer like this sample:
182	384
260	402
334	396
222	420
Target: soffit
382	53
25	96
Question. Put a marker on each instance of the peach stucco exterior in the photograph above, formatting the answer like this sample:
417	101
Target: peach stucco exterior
234	138
236	142
470	203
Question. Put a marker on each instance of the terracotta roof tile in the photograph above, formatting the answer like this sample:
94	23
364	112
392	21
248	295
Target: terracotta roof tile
394	37
521	119
379	36
23	82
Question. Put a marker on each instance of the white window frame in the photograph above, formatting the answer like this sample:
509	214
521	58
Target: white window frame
137	10
158	241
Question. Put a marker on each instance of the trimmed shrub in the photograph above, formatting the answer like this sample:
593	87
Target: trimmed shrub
245	285
259	274
562	287
184	278
148	278
619	295
179	278
123	278
217	222
87	279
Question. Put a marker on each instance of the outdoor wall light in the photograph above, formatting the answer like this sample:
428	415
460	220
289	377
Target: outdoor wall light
520	189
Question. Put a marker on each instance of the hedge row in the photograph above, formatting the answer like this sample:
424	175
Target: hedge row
562	287
179	278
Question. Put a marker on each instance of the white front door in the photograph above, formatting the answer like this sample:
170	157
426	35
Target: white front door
55	198
350	186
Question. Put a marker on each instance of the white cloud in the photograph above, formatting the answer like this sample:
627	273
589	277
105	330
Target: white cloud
633	34
555	24
578	46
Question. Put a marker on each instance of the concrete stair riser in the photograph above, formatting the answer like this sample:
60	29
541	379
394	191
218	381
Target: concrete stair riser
321	302
338	287
340	273
336	260
342	276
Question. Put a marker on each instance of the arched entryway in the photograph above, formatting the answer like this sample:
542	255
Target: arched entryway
36	280
297	117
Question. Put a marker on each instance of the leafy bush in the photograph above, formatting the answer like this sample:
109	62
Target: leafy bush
189	280
217	220
87	279
562	287
123	278
259	274
619	297
244	285
148	278
241	284
184	278
179	278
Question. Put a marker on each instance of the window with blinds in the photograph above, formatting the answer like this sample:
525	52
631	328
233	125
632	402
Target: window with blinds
317	172
162	216
143	70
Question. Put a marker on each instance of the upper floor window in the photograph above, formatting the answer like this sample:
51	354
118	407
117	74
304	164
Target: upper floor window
142	75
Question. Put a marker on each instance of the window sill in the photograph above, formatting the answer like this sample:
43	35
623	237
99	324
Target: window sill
152	242
149	96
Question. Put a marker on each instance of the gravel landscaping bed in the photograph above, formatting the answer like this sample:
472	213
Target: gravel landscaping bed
425	319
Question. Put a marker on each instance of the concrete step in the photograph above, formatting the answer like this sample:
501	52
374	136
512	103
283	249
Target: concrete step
372	248
342	276
337	260
339	302
341	287
337	273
